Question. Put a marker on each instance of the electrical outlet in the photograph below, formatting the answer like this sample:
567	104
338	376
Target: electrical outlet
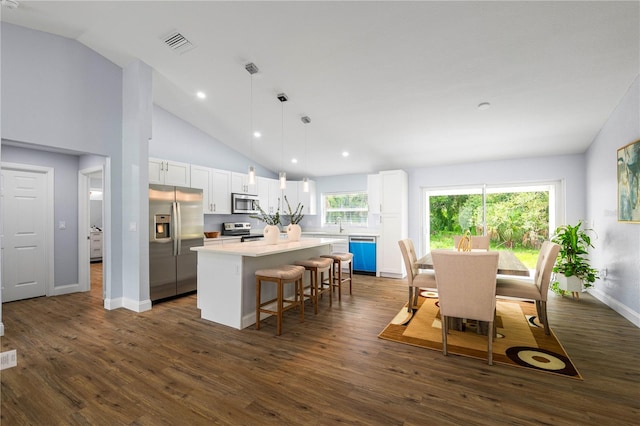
8	359
603	273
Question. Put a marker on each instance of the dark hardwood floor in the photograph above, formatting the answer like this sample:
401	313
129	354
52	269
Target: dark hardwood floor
81	364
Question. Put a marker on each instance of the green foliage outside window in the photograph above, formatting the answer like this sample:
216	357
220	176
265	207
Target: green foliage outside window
350	209
514	219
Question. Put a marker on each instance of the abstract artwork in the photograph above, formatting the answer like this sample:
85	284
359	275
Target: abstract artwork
628	176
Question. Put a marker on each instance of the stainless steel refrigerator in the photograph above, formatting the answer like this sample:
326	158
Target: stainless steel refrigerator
176	224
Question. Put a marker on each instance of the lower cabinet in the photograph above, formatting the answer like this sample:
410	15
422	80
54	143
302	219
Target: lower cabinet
96	246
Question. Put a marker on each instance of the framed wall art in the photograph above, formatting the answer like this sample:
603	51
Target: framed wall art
628	177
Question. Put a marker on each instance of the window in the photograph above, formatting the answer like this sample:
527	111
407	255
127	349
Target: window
517	217
348	208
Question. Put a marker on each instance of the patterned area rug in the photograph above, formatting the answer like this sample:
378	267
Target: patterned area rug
521	340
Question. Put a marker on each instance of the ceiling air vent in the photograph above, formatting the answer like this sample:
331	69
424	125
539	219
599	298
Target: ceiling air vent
177	42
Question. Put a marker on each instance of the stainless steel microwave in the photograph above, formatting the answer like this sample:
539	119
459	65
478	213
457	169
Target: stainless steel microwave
244	203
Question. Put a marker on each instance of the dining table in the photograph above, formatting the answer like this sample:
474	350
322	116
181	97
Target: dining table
508	263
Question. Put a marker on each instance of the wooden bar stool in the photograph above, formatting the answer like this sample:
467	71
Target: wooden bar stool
317	266
336	271
280	275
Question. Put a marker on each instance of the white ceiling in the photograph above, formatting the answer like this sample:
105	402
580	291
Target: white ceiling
397	84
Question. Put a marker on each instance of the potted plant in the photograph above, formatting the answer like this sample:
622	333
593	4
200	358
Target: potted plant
572	269
271	231
295	216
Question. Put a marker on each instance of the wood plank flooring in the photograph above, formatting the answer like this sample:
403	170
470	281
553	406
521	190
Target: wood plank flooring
79	364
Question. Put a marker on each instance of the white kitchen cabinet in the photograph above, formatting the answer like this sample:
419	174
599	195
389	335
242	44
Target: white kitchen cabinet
240	184
394	191
215	185
269	194
394	185
217	242
165	172
95	246
221	193
291	192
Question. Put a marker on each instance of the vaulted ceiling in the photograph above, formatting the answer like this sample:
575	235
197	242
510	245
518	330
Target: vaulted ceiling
396	84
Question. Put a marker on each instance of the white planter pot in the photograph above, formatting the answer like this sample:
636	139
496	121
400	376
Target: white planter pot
572	283
293	232
271	234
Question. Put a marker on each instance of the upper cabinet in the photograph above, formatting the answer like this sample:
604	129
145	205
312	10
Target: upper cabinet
165	172
394	191
216	189
295	194
373	193
269	194
240	184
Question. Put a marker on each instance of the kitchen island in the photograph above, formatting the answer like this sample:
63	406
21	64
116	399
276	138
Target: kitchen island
226	275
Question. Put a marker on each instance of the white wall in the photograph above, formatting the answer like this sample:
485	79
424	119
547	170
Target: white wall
170	134
618	244
568	168
59	94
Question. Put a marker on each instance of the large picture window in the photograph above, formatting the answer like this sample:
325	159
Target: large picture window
348	208
516	217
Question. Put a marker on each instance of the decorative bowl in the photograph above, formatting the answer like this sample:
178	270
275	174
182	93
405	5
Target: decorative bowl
214	234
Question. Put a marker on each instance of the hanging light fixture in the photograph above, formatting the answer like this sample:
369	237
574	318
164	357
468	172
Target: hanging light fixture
251	69
305	181
282	176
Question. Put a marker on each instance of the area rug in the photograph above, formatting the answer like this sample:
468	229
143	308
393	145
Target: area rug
520	337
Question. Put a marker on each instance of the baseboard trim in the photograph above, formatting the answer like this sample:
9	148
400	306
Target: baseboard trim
132	305
622	309
66	289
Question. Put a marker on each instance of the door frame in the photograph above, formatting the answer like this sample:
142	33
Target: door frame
84	243
556	203
49	221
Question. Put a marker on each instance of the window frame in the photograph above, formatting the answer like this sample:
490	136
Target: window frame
323	212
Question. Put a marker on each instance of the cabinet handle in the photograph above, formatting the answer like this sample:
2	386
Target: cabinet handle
167	169
214	207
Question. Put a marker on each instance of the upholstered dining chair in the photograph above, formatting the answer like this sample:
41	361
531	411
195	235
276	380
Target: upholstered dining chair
415	279
535	289
478	242
466	289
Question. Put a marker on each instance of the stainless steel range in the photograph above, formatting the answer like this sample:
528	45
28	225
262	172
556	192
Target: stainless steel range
239	229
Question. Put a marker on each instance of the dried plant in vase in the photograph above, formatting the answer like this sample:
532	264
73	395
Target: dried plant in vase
268	218
295	216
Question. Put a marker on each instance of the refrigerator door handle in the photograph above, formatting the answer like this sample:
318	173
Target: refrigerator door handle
174	227
179	224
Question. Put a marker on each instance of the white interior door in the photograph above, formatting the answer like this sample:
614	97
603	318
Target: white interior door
24	217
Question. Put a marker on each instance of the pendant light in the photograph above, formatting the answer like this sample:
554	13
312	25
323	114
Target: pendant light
251	69
305	181
282	176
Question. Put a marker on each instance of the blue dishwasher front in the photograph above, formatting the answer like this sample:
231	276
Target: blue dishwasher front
364	254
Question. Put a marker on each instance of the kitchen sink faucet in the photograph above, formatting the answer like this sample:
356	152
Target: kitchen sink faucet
339	220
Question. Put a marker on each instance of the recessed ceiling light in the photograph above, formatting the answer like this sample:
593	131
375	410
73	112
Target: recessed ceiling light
201	95
484	106
294	160
345	153
257	134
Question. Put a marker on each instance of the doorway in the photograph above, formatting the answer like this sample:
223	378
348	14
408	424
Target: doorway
91	227
27	225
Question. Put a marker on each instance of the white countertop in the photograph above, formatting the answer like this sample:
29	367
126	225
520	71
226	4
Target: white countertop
261	248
